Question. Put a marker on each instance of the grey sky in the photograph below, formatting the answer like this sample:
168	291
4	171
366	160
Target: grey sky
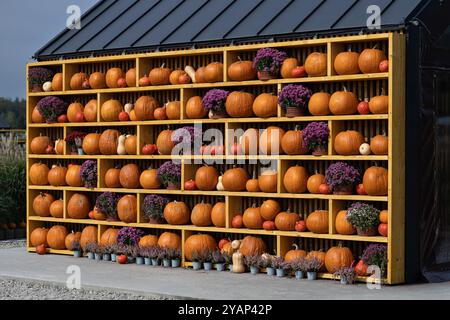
26	25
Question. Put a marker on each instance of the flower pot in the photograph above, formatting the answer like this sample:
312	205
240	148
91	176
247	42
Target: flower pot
270	271
320	151
166	263
155	221
217	115
311	275
77	254
208	266
175	263
266	75
140	260
344	281
131	259
91	255
80	152
254	270
147	261
36	88
113	257
299	275
196	265
281	273
155	262
230	267
98	257
106	257
371	232
173	186
293	112
343	190
220	266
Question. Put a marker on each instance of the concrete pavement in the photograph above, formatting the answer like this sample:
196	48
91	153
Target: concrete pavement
189	284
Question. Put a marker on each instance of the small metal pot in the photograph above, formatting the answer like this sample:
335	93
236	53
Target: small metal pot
299	275
166	263
106	257
281	273
208	266
311	275
196	265
155	262
91	255
77	254
147	261
140	260
113	257
175	263
270	271
220	267
254	270
98	257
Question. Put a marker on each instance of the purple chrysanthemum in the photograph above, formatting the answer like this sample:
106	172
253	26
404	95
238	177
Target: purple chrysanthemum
215	100
51	108
269	60
316	134
39	75
88	173
341	174
169	172
129	236
106	203
376	254
154	205
294	95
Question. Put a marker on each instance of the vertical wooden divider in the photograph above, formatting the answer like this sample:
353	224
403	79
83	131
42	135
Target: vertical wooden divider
335	128
65	201
138	208
333	50
279	110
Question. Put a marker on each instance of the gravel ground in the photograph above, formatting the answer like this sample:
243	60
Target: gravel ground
7	244
14	289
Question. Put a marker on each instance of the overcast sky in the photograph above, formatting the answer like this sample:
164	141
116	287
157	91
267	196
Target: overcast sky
25	26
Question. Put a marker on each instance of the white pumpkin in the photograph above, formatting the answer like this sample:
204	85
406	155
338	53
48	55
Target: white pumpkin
220	186
47	87
121	145
364	149
128	107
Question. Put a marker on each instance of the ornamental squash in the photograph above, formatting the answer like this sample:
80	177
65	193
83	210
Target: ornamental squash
57	209
71	239
177	213
252	218
109	237
337	258
252	246
144	108
379	105
319	104
347	143
73	177
39	174
267	181
269	209
112	178
295	179
249	141
57	176
295	254
270	141
109	141
90	111
39	144
149	179
169	240
38	237
316	64
127	209
375	181
42	203
129	176
201	215
346	63
213	72
112	77
343	103
88	235
342	225
317	222
240	104
241	71
73	109
380	145
59	146
56	237
78	206
285	221
265	105
97	80
206	178
148	241
370	59
218	216
197	244
91	144
173	110
195	108
164	142
57	82
110	110
293	143
160	76
314	182
235	179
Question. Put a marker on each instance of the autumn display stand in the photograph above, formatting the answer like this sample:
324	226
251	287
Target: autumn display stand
101	135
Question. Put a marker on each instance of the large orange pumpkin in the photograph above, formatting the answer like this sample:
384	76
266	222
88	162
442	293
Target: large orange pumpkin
379	105
73	177
337	258
56	237
77	80
97	80
130	77
370	59
347	143
293	144
169	240
269	210
145	108
240	104
195	108
317	222
285	221
295	179
197	244
342	225
319	104
214	72
38	237
252	218
173	110
201	215
218	215
206	178
380	145
112	77
314	183
375	181
252	246
57	209
72	111
148	241
57	82
109	237
346	63
39	144
129	176
267	181
241	71
177	213
149	179
235	179
343	103
131	144
249	141
42	203
164	142
88	235
39	174
109	141
57	176
110	110
71	239
112	178
160	76
90	111
91	143
127	209
270	141
266	105
78	206
294	254
316	64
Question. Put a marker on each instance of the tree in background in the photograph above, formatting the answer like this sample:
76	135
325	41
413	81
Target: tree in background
12	112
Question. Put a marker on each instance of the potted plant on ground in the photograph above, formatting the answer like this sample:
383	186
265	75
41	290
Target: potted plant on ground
107	251
164	255
218	260
139	259
132	253
253	262
266	262
279	265
145	253
376	255
294	100
154	256
316	136
197	260
75	142
313	266
90	249
51	108
88	174
129	237
175	257
365	218
170	175
114	251
37	76
106	203
268	62
214	102
341	178
207	260
153	208
346	275
76	248
228	259
299	267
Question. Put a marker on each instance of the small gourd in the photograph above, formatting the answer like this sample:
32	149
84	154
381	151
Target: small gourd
191	73
47	87
364	149
220	186
238	258
121	145
128	107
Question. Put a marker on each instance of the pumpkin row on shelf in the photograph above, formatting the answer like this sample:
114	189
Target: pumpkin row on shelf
368	61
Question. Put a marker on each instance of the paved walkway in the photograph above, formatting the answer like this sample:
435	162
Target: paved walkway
189	284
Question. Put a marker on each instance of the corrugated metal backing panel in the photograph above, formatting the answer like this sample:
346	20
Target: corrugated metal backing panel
116	25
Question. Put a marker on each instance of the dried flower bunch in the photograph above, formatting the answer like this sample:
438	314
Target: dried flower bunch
88	173
169	172
346	273
154	205
269	60
376	254
253	261
277	263
91	247
313	264
362	215
51	108
214	100
149	252
316	134
106	203
129	236
202	256
295	95
39	75
341	174
299	265
173	254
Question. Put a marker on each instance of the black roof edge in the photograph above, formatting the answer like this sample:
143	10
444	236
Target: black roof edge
217	43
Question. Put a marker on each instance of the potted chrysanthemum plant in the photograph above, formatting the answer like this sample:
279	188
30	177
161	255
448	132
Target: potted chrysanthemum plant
88	174
365	218
170	175
189	137
316	135
106	203
376	255
313	266
153	208
37	76
253	262
294	100
51	108
268	62
218	260
341	178
214	102
129	237
75	142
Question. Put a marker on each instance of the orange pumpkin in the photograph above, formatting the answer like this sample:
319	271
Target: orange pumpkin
72	111
91	143
78	206
36	116
200	75
173	110
241	71
267	181
252	246
57	82
375	181
295	254
235	179
112	77
269	210
57	209
346	63
71	239
249	141
131	144
214	72
109	141
59	146
317	222
127	209
38	237
148	241
73	177
380	145
206	178
129	176
88	235
56	237
39	174
195	108
39	144
384	216
337	258
293	144
177	213
149	179
285	221
252	218
288	65
270	141
266	105
169	240
112	178
77	80
314	182
319	104
97	80
252	185
316	64
145	108
57	176
240	104
42	203
110	110
130	77
164	142
218	215
342	225
175	75
90	111
160	113
343	103
201	215
347	143
160	76
197	244
295	179
109	237
370	59
379	105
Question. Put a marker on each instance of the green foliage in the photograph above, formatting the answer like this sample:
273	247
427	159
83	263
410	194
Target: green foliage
12	112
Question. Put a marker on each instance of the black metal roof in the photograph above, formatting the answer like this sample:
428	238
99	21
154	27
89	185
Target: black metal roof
115	26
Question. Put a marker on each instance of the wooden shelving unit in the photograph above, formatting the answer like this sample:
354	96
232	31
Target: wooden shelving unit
364	85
